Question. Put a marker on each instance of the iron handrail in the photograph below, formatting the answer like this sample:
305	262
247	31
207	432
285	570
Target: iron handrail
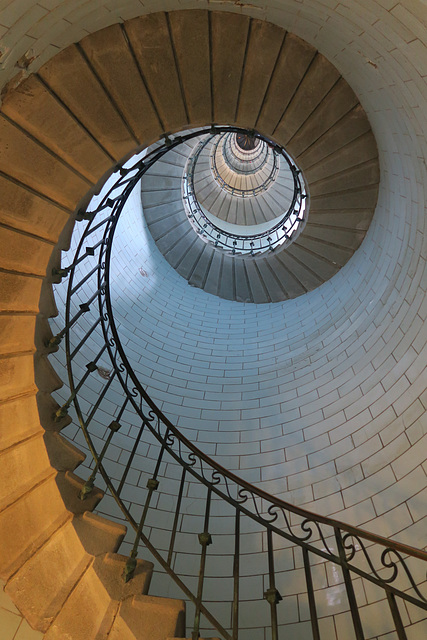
343	545
250	192
249	159
280	232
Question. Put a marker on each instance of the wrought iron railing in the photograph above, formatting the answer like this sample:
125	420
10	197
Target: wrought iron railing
266	179
278	233
191	510
244	162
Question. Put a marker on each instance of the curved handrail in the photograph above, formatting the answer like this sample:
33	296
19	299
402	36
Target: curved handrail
252	168
249	157
280	232
342	544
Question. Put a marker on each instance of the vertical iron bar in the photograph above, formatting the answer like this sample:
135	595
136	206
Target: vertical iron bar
130	460
83	280
236	570
100	224
100	399
90	482
83	309
310	591
401	633
152	484
83	340
357	624
205	539
272	595
91	367
175	520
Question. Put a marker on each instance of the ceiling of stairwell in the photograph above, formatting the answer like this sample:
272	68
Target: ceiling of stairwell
324	128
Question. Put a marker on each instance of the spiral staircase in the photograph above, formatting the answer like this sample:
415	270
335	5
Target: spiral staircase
64	129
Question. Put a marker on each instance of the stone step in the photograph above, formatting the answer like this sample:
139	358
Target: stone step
52	572
89	612
202	266
149	618
179	248
97	534
27	523
21	467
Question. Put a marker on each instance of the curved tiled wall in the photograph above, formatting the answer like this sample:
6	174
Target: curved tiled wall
299	397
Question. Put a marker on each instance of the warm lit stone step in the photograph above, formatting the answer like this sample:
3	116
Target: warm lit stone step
53	571
149	618
27	523
97	598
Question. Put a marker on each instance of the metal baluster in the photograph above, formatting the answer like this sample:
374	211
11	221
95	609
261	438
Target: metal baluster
83	340
101	223
272	595
130	460
114	426
87	276
357	624
91	367
310	591
401	633
84	308
236	570
175	520
100	399
205	540
64	271
152	485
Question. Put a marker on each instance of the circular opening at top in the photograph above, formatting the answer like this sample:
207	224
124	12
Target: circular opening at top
246	142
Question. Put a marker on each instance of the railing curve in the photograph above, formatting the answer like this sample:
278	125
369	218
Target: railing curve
240	192
280	232
395	570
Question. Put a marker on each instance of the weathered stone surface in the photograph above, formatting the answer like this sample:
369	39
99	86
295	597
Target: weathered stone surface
149	617
150	40
72	80
16	376
16	334
349	128
52	572
100	536
19	419
319	79
190	36
28	522
23	253
19	293
355	178
332	108
63	455
21	467
87	614
23	209
355	153
70	486
229	36
26	161
293	62
111	57
321	267
265	40
74	145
